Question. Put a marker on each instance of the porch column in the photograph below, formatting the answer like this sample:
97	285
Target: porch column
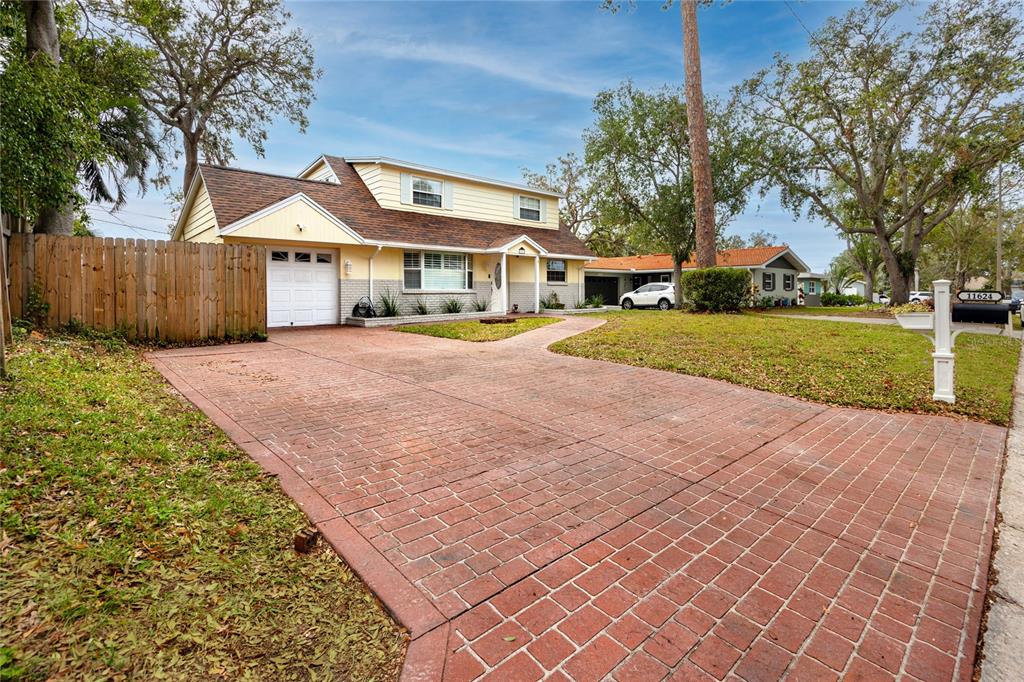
506	283
536	284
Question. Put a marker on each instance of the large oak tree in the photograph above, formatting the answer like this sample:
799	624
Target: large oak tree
898	126
224	69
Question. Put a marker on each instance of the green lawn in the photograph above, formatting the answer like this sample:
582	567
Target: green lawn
475	330
137	542
832	362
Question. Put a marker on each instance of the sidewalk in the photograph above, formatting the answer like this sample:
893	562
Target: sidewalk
1003	655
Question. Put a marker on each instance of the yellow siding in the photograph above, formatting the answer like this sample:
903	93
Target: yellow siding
473	200
201	223
320	171
283	224
521	269
525	245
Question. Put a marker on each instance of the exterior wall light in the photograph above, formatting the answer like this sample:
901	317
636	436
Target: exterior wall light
348	267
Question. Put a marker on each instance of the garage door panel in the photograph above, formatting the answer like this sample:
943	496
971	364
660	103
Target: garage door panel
302	291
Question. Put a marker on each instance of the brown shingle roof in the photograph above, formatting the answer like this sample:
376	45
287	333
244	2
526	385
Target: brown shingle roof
237	193
663	261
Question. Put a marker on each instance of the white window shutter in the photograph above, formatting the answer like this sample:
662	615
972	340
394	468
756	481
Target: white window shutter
515	206
543	210
446	199
406	188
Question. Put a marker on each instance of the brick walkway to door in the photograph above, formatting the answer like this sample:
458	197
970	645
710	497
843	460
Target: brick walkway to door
526	514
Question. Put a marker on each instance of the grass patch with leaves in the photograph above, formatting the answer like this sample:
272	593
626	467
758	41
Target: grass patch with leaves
138	542
475	330
840	363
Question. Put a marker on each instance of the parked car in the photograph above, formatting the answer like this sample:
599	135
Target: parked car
658	294
920	296
882	298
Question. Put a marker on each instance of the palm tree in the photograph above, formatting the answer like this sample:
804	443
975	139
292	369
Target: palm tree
130	146
700	158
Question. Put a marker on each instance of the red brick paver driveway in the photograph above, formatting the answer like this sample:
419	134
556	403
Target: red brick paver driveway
526	514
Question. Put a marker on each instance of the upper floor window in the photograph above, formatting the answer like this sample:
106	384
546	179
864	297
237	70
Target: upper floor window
529	208
426	192
556	270
767	281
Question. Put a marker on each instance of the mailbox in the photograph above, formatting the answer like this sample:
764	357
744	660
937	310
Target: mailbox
981	313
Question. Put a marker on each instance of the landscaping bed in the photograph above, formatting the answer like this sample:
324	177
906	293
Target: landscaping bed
876	366
138	542
476	331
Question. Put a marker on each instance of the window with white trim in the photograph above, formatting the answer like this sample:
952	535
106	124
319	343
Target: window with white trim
556	270
767	281
787	282
426	192
433	271
529	208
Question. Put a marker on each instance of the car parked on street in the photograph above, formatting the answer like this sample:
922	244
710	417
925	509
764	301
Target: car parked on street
660	295
920	296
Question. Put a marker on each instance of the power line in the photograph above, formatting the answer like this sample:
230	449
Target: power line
145	215
797	17
130	227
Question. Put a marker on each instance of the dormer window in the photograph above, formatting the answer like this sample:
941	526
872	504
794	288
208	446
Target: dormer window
529	208
426	192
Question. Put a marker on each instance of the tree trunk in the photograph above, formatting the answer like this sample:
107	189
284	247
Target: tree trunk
869	286
191	162
898	279
41	30
697	128
41	37
677	273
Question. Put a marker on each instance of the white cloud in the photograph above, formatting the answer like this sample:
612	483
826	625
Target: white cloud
510	66
493	145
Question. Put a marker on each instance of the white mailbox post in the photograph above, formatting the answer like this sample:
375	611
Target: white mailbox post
940	323
942	358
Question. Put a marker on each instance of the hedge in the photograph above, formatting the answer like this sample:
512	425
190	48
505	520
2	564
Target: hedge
715	290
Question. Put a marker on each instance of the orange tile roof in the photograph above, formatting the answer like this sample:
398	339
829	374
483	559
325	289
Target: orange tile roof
662	261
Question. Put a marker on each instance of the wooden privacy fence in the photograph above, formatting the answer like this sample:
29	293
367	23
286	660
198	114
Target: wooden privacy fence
171	291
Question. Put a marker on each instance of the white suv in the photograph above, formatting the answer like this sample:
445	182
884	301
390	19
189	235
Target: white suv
657	294
920	296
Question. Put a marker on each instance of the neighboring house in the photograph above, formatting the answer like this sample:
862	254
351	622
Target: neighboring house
352	227
773	269
857	288
812	285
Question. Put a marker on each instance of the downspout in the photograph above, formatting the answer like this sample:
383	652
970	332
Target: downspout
580	290
372	256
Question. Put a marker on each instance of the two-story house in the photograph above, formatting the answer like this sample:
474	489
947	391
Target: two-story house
345	228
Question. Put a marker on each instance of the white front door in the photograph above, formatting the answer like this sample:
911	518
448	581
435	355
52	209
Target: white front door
499	280
302	286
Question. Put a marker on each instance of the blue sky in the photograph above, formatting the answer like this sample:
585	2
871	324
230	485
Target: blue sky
490	88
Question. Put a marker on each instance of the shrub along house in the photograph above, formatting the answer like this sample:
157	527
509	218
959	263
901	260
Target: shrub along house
775	270
345	228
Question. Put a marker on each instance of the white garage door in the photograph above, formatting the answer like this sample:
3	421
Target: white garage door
302	287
